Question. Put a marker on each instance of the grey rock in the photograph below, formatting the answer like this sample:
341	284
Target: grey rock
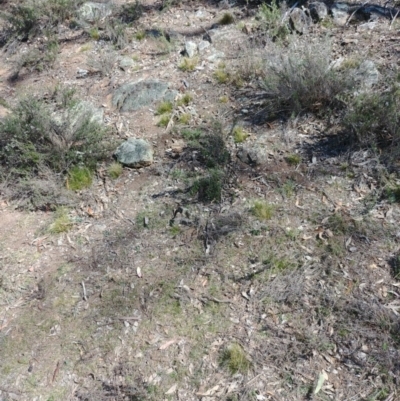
222	38
299	20
340	14
126	63
92	11
216	56
368	26
318	11
83	109
135	95
203	45
81	73
134	153
256	152
367	74
190	48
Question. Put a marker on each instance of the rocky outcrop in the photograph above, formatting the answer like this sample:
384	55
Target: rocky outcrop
135	95
134	153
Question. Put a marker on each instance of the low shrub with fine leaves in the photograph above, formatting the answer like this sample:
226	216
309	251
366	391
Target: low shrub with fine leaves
299	79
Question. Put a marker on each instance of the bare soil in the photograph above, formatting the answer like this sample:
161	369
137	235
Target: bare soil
142	297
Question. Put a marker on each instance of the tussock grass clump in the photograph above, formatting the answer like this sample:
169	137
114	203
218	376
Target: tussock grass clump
115	170
164	120
221	76
164	107
62	222
227	19
262	210
188	64
184	118
239	135
213	148
234	359
184	100
140	35
79	178
299	79
293	159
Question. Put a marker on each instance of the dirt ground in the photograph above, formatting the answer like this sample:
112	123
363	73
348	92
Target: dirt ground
148	293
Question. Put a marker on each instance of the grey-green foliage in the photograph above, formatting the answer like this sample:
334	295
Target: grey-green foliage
209	188
29	17
271	20
300	79
37	135
374	118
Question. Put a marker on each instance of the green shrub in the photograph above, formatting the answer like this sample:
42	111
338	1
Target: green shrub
30	18
209	188
191	134
39	59
374	120
140	35
213	148
270	16
234	359
35	137
94	33
130	12
79	178
115	32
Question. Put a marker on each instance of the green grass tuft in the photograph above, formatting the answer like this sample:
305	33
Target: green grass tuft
184	100
293	159
62	222
79	178
164	107
262	210
188	64
235	360
164	120
239	135
227	19
115	170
